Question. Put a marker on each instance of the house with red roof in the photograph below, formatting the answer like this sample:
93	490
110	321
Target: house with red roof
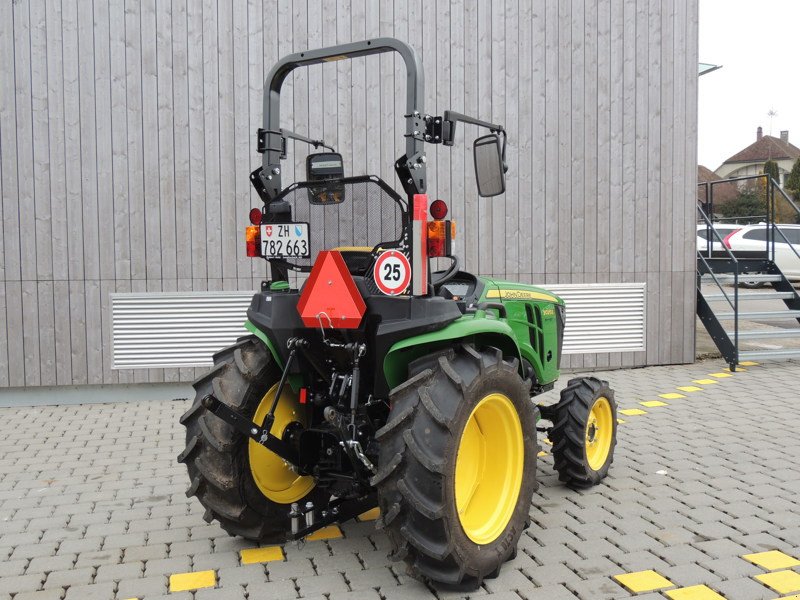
750	160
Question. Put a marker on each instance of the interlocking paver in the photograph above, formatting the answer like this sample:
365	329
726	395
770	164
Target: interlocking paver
689	507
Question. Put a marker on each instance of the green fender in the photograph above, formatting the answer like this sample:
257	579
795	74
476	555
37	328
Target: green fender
295	381
471	328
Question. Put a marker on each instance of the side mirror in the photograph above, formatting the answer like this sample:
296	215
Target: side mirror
325	170
490	172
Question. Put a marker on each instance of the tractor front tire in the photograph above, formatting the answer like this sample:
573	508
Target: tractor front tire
457	466
584	432
242	485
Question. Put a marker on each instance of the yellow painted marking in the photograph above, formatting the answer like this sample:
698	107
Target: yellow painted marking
695	592
782	582
181	582
671	396
653	403
720	375
738	368
749	363
705	381
542	454
261	555
547	441
643	581
621	421
689	388
370	515
520	295
331	532
772	560
632	412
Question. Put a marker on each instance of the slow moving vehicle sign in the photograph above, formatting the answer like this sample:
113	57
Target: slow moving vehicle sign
392	272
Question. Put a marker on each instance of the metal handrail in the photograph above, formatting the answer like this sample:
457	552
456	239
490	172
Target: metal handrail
735	304
775	226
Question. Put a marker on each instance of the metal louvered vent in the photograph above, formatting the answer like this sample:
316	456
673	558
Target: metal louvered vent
603	317
182	329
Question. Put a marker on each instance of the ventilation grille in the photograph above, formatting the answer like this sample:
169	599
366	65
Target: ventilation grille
159	330
603	317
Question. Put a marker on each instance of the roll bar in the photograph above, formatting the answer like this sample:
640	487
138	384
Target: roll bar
270	138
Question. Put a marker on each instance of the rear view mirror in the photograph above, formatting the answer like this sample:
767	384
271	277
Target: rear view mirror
490	172
326	171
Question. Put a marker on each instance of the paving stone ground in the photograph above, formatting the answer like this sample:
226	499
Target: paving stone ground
92	505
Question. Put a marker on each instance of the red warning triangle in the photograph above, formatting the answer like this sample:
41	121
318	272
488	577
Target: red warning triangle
330	297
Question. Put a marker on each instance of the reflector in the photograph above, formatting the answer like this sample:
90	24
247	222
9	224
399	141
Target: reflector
255	216
438	209
252	237
330	298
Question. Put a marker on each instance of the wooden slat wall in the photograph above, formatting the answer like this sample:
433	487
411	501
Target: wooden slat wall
127	136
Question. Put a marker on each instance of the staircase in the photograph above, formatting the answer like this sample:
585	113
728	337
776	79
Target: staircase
725	309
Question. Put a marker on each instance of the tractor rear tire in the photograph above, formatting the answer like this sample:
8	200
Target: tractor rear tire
457	466
218	457
584	432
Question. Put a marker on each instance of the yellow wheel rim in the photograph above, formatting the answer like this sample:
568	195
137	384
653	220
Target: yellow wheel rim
489	464
272	475
599	433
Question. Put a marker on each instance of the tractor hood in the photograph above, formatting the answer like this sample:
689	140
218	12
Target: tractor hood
507	290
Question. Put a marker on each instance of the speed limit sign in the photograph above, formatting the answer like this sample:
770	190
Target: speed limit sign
392	272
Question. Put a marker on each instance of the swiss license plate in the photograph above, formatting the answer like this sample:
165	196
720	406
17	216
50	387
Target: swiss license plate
285	240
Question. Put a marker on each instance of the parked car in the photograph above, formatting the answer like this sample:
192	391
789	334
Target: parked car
753	238
722	229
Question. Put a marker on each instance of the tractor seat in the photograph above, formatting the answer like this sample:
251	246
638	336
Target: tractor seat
357	258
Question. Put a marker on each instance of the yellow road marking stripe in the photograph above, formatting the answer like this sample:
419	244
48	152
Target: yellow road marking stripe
749	363
653	403
689	388
261	555
370	515
643	581
620	421
695	592
181	582
671	396
331	532
772	560
547	441
720	375
783	582
738	368
705	381
542	454
632	412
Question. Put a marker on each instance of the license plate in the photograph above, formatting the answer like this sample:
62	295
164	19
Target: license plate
285	240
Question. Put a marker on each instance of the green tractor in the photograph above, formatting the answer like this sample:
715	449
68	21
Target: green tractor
379	383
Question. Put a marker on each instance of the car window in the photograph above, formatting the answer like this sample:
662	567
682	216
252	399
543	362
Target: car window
759	234
793	235
702	233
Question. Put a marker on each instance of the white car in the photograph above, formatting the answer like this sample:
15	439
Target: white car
753	238
721	229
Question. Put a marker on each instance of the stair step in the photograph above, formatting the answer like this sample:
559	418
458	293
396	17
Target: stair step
766	334
744	277
765	315
752	296
750	354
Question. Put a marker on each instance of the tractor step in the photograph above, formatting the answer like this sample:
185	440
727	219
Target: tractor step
751	296
766	334
744	277
757	354
762	315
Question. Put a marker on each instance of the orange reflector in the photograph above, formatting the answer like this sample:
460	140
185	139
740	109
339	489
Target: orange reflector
303	395
252	236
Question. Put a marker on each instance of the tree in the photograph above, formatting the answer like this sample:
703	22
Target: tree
771	169
749	203
792	184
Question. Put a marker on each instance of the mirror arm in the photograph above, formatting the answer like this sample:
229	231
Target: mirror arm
284	134
452	117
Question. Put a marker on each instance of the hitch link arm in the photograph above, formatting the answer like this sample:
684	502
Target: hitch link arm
246	427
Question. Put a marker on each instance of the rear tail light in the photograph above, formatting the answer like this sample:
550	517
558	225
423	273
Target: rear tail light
727	239
252	236
440	238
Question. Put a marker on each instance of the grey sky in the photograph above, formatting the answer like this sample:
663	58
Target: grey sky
757	44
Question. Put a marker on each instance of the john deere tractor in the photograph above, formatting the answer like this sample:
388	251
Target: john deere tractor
375	381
